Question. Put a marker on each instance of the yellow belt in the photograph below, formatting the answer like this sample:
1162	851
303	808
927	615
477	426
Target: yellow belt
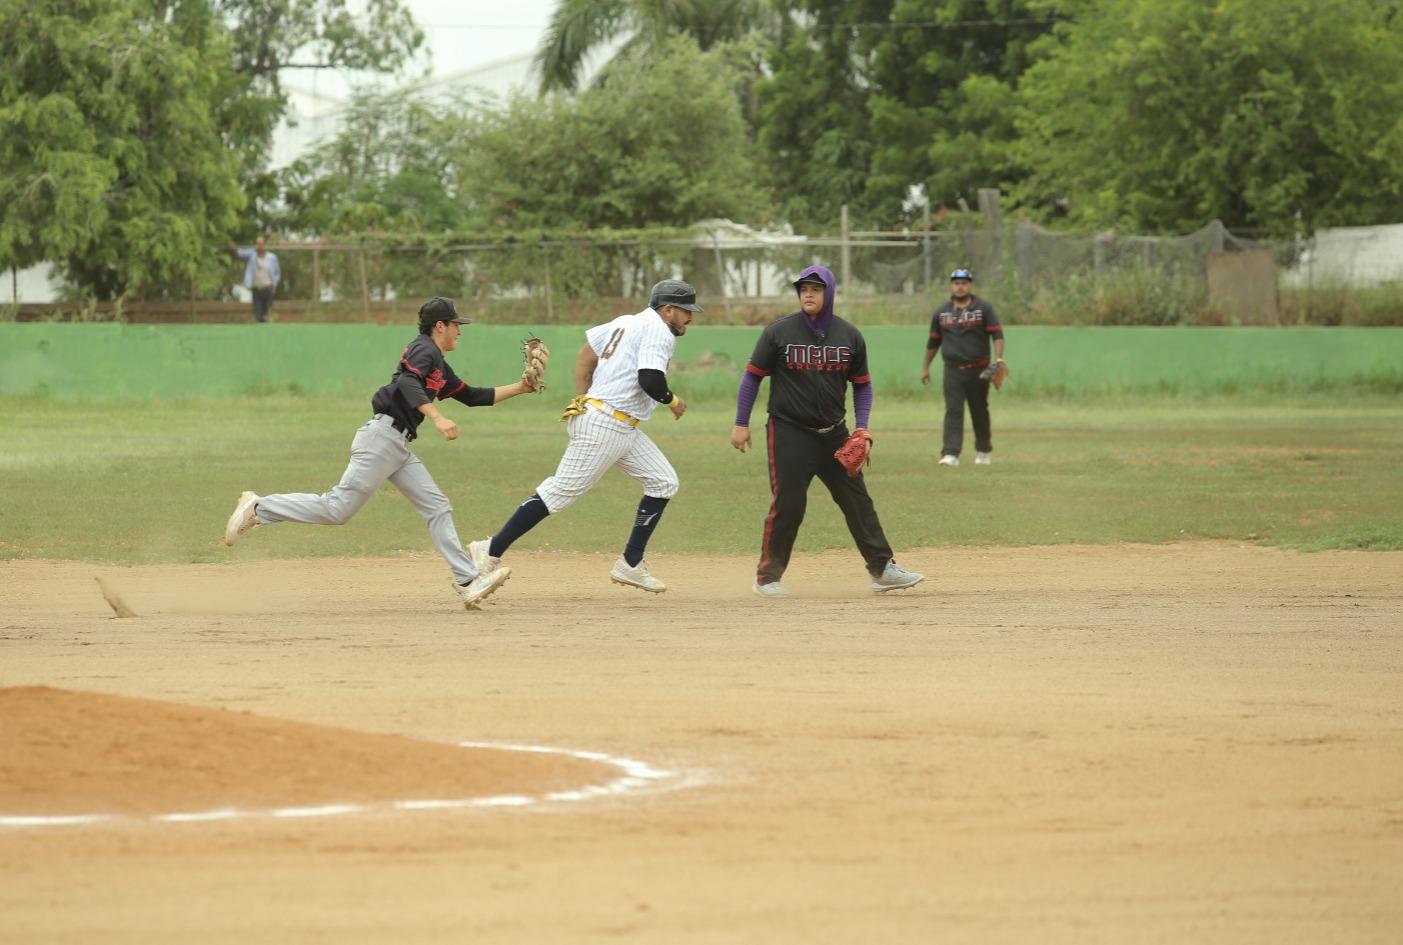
616	414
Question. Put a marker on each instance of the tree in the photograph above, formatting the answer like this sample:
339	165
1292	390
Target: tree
268	37
389	171
134	133
113	162
664	145
390	168
579	28
868	97
1159	115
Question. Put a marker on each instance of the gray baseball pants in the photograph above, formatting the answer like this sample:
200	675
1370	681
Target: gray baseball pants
378	452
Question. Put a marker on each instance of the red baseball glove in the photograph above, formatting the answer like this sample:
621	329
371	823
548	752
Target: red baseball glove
995	373
856	452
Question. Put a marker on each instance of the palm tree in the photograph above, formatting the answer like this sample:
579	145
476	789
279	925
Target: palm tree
579	27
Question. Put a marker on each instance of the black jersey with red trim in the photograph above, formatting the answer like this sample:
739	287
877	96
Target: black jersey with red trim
421	377
809	376
964	334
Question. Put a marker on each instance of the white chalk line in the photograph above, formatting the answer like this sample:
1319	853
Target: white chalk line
635	777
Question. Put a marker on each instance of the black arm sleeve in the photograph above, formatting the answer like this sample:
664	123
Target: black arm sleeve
475	396
654	384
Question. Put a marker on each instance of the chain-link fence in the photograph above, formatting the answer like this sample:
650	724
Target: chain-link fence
1031	274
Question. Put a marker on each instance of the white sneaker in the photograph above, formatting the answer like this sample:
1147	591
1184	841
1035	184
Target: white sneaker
983	459
636	577
477	590
480	552
772	589
948	460
894	578
245	517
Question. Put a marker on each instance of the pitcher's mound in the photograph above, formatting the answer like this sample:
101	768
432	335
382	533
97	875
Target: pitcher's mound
72	753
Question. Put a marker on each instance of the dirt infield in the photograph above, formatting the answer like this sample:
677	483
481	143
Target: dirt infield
1188	743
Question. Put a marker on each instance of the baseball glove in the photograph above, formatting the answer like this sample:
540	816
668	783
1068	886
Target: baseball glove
995	373
537	355
574	408
856	452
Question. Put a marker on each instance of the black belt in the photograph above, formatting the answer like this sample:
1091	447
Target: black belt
398	424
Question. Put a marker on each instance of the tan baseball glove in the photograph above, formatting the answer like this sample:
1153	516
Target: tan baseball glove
537	357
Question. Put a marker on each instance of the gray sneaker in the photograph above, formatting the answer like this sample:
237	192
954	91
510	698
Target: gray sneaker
479	588
480	552
948	460
894	578
772	589
638	577
243	518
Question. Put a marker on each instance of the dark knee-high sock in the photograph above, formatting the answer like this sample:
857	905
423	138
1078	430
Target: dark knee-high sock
650	509
526	517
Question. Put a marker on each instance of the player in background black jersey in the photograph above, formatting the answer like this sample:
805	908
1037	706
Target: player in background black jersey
810	357
962	330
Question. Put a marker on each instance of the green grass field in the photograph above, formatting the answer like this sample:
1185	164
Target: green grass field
126	483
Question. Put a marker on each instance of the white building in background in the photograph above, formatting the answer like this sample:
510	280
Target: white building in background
1355	256
314	116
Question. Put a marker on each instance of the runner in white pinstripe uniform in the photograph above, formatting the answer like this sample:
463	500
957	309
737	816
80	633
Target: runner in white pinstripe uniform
620	378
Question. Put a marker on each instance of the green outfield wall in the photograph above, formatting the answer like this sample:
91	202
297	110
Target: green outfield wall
140	363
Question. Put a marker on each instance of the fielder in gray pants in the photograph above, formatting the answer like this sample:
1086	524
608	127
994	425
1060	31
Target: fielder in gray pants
380	452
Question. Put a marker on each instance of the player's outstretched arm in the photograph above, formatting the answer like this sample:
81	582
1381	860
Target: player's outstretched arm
508	391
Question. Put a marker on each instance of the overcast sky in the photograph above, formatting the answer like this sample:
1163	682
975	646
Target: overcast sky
458	35
462	34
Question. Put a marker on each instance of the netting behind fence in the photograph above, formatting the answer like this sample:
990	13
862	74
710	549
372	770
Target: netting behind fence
1032	274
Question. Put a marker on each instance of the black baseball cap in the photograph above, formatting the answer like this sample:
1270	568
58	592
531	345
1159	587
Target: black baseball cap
675	292
961	274
440	310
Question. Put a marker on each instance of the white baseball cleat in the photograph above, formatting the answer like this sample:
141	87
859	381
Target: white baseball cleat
948	460
894	578
244	518
772	589
481	553
479	588
636	577
983	459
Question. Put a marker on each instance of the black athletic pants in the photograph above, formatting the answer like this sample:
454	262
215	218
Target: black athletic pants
797	455
262	303
961	385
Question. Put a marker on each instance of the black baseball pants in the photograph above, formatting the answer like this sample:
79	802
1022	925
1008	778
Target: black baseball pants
962	385
262	303
796	456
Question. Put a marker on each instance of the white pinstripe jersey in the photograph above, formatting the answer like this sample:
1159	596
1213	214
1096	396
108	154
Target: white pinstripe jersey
625	346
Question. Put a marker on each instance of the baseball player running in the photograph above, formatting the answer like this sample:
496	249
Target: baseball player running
380	451
810	358
620	378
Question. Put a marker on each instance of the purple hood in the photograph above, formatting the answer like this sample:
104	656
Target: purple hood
820	325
